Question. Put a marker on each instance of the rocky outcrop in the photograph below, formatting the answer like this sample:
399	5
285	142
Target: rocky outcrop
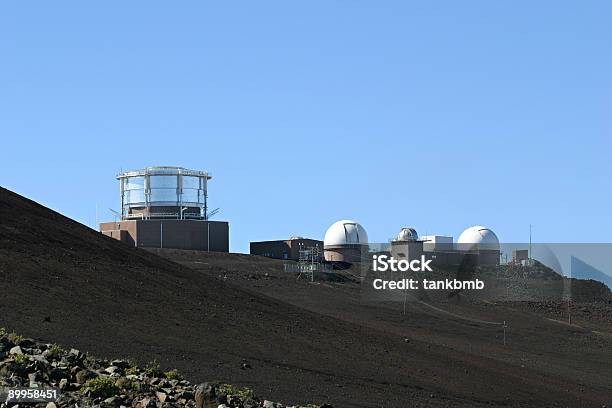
86	381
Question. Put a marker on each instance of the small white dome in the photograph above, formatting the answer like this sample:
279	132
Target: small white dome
480	237
345	232
294	237
407	234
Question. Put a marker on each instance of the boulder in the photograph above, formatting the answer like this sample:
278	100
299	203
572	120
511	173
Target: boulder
111	401
161	396
206	395
122	364
147	403
82	376
111	369
59	373
16	350
26	343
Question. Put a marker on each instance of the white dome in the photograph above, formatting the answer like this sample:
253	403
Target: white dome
407	234
480	237
345	232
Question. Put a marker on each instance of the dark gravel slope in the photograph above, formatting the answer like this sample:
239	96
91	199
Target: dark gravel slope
63	282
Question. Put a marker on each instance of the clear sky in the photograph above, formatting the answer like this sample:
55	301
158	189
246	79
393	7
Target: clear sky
437	115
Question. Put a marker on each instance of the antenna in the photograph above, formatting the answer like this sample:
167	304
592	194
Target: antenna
530	254
115	213
211	213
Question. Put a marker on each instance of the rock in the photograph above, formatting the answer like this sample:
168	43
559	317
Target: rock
161	396
59	373
51	405
186	395
63	384
27	343
111	369
33	378
206	395
16	350
268	404
148	403
122	364
82	376
41	359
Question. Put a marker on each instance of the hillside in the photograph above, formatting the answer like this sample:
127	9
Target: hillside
220	317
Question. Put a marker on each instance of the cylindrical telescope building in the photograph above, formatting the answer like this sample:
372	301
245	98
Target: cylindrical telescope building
164	193
167	207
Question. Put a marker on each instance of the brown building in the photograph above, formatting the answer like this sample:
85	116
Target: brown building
520	255
284	249
167	233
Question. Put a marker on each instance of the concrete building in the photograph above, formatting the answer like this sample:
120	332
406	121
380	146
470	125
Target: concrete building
286	249
520	255
437	242
168	233
167	207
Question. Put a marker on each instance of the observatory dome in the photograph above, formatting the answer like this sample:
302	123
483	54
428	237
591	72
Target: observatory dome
345	232
407	234
480	237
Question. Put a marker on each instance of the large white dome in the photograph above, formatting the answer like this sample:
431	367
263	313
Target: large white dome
345	232
480	237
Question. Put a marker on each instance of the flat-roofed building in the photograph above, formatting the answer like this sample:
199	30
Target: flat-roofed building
285	249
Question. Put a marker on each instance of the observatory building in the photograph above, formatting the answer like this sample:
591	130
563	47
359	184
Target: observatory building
477	241
286	249
345	241
407	245
167	207
482	240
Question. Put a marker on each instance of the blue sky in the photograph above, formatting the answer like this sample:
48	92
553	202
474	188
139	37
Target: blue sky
437	115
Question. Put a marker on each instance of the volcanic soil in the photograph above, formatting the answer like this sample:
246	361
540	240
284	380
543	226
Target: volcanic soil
241	319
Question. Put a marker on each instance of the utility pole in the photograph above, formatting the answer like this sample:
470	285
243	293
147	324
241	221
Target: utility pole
530	254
